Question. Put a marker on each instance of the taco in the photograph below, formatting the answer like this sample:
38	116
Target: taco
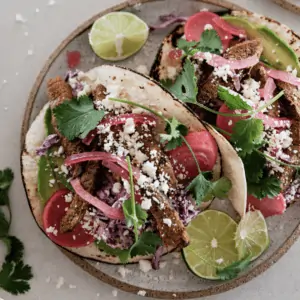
111	180
239	73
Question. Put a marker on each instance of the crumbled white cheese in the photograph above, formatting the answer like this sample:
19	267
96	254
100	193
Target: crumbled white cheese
114	293
140	157
20	18
145	265
153	153
64	169
146	204
60	282
150	169
223	72
116	188
251	90
126	185
26	34
30	52
37	10
123	271
142	293
72	286
167	221
52	181
51	2
162	264
85	91
229	122
219	260
172	72
50	229
129	126
60	150
143	69
68	198
207	56
208	27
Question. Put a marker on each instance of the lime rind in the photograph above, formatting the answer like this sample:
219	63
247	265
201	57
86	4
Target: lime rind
118	35
252	237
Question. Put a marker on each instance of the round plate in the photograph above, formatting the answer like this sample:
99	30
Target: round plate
174	281
292	5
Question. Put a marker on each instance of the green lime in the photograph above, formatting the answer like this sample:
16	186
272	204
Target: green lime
118	35
212	244
252	237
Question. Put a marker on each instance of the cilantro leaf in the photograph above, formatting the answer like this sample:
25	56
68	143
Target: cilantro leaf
174	131
16	249
185	87
254	164
246	135
76	118
231	99
140	216
14	277
204	190
6	178
210	42
4	225
146	244
268	186
123	254
233	270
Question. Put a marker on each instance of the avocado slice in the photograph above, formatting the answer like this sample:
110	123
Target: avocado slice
277	52
46	166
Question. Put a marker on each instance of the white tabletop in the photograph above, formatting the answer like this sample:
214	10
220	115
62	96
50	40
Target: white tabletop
23	51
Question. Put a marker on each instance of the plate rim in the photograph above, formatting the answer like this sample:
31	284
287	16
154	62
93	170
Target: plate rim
81	262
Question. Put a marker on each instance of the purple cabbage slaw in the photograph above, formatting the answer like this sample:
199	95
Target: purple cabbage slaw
50	141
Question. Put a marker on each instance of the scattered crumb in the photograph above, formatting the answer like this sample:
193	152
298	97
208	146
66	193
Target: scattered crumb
60	282
17	73
51	2
37	10
123	271
171	275
4	81
98	294
176	254
142	69
142	293
115	293
5	108
20	18
174	295
72	286
48	279
26	33
162	264
145	265
30	52
176	261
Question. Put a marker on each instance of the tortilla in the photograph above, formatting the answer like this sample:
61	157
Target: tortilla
146	91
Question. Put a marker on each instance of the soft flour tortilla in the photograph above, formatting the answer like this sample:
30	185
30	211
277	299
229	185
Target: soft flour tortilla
144	90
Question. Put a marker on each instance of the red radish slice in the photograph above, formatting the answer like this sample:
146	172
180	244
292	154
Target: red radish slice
53	213
218	61
269	89
205	149
284	76
175	54
97	155
108	211
73	59
268	206
229	28
194	27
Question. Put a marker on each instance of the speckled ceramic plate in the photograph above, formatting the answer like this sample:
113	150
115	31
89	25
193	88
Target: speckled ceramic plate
292	5
175	280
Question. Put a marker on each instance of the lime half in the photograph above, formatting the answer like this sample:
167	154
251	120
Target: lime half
118	35
212	244
252	237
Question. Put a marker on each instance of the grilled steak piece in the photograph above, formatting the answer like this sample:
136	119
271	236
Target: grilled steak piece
58	92
169	226
259	73
244	50
78	206
99	93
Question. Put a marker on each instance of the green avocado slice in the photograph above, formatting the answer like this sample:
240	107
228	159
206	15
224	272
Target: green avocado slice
47	166
277	53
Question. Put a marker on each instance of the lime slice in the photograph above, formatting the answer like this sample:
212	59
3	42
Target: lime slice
252	237
212	243
118	35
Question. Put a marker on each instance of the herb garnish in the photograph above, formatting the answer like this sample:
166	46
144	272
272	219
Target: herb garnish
209	42
233	270
77	117
14	275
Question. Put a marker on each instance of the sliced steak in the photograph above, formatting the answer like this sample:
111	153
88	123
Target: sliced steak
244	50
259	73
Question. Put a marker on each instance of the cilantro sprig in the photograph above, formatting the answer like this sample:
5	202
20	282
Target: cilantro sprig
201	188
209	42
77	117
14	274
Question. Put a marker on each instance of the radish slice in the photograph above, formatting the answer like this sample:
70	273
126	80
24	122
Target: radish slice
215	60
108	211
284	76
53	213
195	25
175	54
269	88
205	149
73	59
229	28
268	206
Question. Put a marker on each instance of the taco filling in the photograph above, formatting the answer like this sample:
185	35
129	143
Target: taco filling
237	72
118	171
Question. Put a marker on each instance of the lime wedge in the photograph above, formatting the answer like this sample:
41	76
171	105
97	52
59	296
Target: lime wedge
118	35
252	237
212	244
